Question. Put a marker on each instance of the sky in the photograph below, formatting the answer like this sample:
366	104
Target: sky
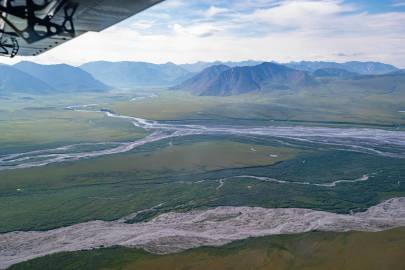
186	31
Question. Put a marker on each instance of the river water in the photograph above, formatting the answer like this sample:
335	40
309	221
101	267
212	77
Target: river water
381	142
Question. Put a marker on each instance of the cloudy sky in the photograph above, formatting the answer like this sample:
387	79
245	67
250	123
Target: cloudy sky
184	31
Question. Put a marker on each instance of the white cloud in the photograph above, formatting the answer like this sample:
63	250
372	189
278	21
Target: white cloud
213	11
302	15
180	31
301	11
198	30
399	3
142	24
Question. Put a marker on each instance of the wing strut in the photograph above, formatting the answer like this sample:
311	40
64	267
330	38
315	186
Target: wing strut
8	45
37	24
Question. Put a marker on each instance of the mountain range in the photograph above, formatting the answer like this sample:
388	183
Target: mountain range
62	77
363	68
136	74
13	80
200	66
32	78
214	78
224	80
141	74
400	71
334	72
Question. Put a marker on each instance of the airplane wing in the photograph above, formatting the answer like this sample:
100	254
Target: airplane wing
31	27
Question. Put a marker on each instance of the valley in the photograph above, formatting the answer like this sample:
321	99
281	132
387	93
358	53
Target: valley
202	135
127	159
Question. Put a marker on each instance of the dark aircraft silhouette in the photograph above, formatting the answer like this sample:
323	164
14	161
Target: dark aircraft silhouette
31	27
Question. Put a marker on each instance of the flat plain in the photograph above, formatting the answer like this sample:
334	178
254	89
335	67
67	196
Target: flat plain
202	170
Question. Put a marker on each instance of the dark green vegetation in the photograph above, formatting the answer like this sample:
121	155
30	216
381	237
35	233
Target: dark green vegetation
198	172
31	123
339	103
315	250
178	175
113	186
186	175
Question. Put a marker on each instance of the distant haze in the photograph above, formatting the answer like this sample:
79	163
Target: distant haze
201	78
184	31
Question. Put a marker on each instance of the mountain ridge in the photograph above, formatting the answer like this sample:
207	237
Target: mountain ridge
202	79
334	72
222	80
128	74
363	68
62	77
37	78
13	80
